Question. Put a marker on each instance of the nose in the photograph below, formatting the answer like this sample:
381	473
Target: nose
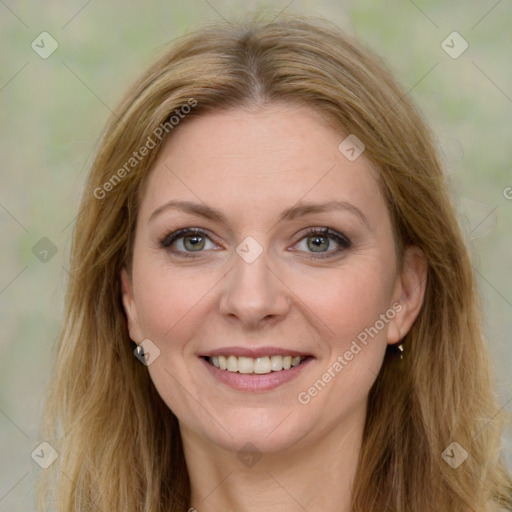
254	294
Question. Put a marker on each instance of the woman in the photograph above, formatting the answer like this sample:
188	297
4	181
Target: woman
270	304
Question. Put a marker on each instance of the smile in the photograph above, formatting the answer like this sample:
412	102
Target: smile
255	365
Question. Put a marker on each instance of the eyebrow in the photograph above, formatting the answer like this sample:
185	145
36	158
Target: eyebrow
299	210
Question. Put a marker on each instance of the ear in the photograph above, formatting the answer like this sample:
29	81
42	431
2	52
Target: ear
409	293
130	307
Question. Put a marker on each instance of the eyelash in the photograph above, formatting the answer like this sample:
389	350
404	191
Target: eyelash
341	239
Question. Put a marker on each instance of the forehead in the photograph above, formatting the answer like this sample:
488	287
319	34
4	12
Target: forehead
257	160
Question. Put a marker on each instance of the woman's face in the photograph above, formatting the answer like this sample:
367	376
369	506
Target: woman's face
293	255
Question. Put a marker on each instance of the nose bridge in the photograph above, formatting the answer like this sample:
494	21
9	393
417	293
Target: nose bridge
253	292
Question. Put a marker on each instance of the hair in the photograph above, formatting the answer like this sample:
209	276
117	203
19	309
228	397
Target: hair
119	444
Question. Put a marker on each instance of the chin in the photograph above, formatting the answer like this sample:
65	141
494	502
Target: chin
270	431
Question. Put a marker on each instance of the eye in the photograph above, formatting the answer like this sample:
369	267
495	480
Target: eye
189	240
318	241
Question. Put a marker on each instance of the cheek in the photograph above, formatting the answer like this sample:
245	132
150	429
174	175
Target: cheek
167	299
348	300
341	301
353	309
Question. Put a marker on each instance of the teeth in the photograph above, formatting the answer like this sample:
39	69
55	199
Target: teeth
276	363
232	364
245	364
258	365
262	365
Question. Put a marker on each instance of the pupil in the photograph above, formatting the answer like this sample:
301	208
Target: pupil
317	242
195	240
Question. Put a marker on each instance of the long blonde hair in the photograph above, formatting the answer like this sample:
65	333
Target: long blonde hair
119	445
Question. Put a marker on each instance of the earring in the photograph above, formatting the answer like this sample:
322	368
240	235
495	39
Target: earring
400	349
138	350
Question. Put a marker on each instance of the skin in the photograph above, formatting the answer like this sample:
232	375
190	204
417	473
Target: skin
251	164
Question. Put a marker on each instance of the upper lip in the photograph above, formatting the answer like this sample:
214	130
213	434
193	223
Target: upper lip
254	352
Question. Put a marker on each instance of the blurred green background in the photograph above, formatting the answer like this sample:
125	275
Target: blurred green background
53	109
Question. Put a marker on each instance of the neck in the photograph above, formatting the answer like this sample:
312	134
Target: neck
314	477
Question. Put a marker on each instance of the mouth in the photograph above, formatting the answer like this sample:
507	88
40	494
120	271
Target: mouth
256	365
255	369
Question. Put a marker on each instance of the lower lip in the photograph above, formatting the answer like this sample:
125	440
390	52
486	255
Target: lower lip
255	382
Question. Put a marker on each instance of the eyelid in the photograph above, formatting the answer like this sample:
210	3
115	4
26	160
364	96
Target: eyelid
342	240
327	232
168	239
